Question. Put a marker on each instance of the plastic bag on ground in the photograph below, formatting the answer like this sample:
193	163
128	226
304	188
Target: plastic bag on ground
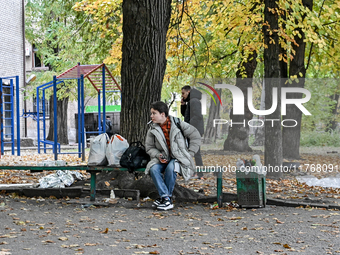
328	182
60	179
97	156
115	149
51	181
65	177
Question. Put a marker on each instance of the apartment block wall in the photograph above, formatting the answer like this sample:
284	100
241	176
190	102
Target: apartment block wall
11	44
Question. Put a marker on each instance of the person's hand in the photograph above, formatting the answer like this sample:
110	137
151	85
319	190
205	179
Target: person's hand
182	101
162	159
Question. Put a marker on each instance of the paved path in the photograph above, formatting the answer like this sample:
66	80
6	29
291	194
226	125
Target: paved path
55	227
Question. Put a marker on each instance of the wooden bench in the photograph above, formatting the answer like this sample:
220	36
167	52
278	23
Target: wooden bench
93	170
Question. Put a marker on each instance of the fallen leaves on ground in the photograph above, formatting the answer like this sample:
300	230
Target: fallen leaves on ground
25	176
286	188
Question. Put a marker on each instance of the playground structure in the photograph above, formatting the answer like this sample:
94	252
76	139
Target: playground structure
9	90
101	79
98	75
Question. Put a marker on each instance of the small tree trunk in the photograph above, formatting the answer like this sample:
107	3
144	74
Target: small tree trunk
62	110
273	134
214	113
238	134
145	25
291	135
259	132
333	123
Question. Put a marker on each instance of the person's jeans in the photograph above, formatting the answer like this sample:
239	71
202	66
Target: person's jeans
164	178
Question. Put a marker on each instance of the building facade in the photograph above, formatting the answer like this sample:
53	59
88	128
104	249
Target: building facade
12	41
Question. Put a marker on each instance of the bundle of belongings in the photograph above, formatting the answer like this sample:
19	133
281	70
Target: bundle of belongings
117	152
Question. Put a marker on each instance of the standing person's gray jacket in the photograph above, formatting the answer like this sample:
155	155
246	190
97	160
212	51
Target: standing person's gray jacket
192	111
155	144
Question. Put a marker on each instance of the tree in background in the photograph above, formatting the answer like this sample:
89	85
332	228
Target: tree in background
294	68
63	37
272	74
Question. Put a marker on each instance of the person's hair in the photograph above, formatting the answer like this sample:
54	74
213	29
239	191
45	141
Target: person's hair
186	88
108	117
161	107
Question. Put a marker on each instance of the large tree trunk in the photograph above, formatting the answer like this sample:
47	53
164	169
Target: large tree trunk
210	133
238	134
145	25
273	141
332	122
62	110
291	135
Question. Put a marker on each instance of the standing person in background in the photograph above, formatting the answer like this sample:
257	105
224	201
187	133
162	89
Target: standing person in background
108	126
191	109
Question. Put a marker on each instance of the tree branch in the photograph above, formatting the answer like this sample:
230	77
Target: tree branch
223	57
311	47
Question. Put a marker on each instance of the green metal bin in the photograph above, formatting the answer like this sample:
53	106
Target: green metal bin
251	189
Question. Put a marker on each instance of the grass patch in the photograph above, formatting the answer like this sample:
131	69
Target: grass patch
317	138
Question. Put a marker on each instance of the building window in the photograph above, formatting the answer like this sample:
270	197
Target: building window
36	58
47	107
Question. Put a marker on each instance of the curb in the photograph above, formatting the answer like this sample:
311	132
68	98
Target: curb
71	192
280	202
270	201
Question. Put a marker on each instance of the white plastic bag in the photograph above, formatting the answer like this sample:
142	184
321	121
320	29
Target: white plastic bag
98	146
115	149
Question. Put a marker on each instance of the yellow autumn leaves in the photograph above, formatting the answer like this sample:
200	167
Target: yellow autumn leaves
214	36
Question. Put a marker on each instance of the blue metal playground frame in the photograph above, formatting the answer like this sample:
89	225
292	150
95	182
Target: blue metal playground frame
43	140
81	107
11	118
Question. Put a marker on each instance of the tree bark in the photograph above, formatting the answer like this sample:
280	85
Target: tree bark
238	135
273	134
291	135
259	132
214	113
62	110
333	123
145	25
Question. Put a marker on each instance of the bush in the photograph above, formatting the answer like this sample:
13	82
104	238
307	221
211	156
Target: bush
317	138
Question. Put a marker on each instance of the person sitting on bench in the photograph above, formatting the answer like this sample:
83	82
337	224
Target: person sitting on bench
168	152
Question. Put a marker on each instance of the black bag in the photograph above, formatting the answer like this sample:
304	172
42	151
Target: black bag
135	157
177	123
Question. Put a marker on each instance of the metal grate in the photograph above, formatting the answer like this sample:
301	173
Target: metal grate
250	189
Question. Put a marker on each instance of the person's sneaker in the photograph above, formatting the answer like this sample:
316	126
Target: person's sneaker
165	205
157	202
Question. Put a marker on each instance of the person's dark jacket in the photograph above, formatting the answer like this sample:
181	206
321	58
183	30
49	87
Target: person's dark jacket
192	111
